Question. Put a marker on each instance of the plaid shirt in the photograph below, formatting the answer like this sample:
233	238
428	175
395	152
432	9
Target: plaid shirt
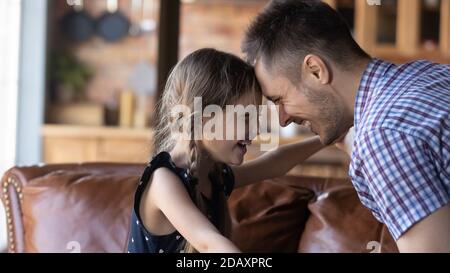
401	153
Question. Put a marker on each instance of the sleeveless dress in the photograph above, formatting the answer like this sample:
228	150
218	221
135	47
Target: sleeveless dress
140	239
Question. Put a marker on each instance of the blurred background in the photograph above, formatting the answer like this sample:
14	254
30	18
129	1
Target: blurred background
79	78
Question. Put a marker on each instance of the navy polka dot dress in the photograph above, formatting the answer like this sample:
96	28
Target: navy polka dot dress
140	239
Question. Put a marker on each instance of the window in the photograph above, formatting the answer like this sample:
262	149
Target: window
9	69
9	62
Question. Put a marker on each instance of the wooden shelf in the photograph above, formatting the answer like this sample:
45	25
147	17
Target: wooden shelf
68	144
58	130
408	45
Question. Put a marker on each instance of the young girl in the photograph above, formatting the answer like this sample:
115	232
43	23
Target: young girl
180	204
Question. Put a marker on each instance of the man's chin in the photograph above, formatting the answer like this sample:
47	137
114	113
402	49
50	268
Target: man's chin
331	140
323	140
340	138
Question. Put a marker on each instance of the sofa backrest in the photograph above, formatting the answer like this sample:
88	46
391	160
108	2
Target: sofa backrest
321	215
86	207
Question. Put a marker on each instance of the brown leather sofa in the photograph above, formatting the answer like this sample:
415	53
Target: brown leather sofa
86	207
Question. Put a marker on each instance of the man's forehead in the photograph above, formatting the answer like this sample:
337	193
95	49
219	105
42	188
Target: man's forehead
262	75
269	74
260	66
271	83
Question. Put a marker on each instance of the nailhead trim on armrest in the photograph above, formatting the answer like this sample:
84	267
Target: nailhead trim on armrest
10	181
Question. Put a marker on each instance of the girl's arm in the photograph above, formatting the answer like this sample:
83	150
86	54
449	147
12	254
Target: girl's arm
275	163
171	197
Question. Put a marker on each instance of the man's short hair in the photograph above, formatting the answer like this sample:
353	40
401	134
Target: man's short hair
287	30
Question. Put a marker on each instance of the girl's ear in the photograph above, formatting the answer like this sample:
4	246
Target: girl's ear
316	69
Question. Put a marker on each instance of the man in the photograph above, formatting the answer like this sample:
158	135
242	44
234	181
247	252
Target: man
308	63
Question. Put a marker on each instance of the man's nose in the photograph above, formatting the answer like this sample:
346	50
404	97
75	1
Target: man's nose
283	116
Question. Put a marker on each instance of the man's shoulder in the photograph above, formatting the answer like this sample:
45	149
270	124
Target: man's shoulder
415	75
423	66
426	75
418	104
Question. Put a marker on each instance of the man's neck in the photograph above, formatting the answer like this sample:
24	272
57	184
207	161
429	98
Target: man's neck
347	83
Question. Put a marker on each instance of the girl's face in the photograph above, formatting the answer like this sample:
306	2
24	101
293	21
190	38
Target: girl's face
242	130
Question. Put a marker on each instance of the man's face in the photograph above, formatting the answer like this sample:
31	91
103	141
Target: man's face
306	103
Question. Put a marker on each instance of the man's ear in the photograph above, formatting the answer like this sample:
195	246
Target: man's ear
314	66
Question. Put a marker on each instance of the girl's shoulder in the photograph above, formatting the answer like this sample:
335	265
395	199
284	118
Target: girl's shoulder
160	178
167	186
161	167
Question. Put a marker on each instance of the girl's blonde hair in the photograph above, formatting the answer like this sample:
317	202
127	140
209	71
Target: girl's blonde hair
219	78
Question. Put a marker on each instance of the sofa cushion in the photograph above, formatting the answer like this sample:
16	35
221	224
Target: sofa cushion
339	223
65	208
268	217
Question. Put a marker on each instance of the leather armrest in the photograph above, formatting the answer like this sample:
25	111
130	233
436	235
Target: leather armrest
16	178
